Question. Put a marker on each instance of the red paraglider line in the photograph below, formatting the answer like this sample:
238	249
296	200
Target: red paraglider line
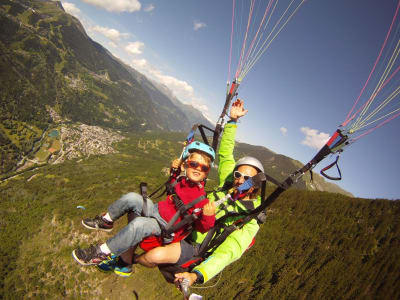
348	119
245	39
259	28
374	94
230	50
377	126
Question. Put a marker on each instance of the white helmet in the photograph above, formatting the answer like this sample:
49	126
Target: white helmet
250	161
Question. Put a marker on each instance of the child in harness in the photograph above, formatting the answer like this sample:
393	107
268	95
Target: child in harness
186	198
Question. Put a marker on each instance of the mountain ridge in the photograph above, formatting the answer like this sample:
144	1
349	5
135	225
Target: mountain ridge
49	61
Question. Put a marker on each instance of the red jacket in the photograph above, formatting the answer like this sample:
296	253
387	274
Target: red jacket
187	191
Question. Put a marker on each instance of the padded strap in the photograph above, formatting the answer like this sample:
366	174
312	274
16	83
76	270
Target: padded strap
143	191
330	166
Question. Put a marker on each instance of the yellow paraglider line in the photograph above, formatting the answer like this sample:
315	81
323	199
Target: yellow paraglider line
238	70
380	107
374	121
256	36
382	81
269	35
263	47
260	38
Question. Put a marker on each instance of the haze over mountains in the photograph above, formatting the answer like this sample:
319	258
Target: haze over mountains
48	61
54	75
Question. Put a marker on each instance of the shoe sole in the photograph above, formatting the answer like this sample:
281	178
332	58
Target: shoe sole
122	274
95	228
81	262
115	272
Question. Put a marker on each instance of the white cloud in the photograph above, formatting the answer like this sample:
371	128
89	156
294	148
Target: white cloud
71	8
314	139
116	5
149	8
112	44
134	48
140	64
181	89
198	25
112	34
283	130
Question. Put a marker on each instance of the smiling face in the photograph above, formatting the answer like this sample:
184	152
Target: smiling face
195	173
245	170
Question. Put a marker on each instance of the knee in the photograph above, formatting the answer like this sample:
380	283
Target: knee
144	226
156	256
132	196
132	199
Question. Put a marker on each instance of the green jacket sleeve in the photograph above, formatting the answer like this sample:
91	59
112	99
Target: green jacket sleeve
225	153
229	251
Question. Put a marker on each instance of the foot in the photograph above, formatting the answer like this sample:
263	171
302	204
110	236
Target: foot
98	223
116	265
89	256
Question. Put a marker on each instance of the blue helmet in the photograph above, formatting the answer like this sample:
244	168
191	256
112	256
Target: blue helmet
195	145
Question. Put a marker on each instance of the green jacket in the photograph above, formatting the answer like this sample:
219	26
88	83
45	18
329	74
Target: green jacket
236	243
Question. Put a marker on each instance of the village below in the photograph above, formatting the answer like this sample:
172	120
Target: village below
64	140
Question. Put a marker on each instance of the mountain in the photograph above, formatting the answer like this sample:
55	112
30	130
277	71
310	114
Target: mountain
49	62
313	245
280	167
163	97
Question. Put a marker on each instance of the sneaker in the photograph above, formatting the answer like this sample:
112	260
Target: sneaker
105	266
89	256
116	265
98	223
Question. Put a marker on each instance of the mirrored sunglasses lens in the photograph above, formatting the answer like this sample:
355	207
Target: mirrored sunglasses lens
205	168
193	164
237	174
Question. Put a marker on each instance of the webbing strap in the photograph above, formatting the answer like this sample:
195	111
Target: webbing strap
143	191
188	219
182	209
330	166
276	182
158	189
209	243
207	239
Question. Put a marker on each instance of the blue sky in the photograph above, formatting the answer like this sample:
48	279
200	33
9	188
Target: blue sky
297	94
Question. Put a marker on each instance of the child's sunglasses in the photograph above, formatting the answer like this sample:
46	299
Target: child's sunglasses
194	165
237	175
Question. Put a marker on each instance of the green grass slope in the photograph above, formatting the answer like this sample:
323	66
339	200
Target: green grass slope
314	245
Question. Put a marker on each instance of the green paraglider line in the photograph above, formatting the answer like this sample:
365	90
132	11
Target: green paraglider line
348	118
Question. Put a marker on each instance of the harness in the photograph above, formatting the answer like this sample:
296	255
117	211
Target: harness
217	235
187	219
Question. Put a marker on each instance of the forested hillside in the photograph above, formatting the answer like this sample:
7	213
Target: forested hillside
49	63
314	245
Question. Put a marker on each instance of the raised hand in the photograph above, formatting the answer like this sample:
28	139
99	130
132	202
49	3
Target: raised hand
237	110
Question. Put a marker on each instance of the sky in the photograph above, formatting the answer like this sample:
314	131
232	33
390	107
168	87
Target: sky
297	93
